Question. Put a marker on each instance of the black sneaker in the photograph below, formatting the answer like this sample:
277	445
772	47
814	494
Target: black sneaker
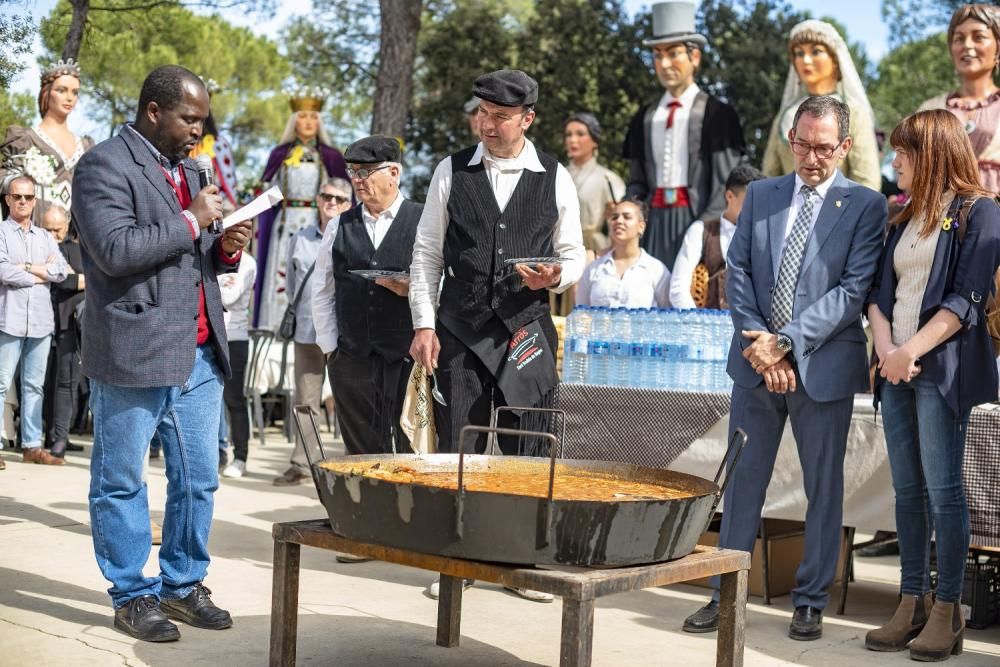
197	609
143	619
705	619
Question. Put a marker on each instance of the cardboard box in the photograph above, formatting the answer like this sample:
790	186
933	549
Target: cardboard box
786	546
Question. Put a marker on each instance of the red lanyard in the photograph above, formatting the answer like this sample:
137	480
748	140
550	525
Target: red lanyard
180	189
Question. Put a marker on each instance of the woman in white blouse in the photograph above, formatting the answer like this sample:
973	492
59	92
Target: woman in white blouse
627	276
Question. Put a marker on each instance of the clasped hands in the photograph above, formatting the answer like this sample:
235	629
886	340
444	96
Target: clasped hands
897	364
770	362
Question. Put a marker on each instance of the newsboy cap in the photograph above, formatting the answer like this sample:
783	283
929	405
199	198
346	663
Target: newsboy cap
507	87
372	150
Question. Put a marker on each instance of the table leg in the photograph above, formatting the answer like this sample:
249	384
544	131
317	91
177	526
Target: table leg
732	618
577	633
449	627
284	604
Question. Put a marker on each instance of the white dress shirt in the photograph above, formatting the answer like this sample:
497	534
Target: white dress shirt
503	174
324	293
237	290
688	258
676	174
798	200
645	284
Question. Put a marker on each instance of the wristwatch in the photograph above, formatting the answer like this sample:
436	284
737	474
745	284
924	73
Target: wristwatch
27	267
784	343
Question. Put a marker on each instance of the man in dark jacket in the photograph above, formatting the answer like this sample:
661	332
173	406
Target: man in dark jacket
155	350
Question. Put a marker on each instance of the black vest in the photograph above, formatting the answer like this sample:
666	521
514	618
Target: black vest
478	285
371	318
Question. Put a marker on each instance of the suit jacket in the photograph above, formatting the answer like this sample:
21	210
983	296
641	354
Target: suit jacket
961	278
67	295
715	147
838	265
143	270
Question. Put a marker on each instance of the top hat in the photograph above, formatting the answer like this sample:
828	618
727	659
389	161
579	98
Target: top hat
673	23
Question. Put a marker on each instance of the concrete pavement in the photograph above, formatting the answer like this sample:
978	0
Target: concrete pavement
54	609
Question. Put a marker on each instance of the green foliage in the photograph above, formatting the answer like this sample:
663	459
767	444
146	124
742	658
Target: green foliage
336	46
121	47
457	44
746	62
16	35
912	20
909	75
587	55
16	109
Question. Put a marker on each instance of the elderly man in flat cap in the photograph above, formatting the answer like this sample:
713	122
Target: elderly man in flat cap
489	338
681	147
362	317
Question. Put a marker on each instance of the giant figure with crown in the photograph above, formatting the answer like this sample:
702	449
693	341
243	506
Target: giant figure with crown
302	161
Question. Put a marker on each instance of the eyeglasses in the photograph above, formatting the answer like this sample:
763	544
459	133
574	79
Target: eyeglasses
21	197
363	174
823	152
327	197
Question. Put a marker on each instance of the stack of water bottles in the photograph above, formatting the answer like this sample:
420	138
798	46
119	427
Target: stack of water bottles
680	350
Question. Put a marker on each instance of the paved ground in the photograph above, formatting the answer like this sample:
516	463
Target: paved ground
54	609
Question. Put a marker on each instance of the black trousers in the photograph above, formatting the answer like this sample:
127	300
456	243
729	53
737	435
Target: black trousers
368	394
65	382
236	401
472	394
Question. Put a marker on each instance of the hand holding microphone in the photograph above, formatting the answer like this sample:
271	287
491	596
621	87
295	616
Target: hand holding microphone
207	205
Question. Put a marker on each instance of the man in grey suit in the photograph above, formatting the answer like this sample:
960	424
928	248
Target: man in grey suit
800	265
155	350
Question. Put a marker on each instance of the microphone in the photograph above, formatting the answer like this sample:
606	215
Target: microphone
206	177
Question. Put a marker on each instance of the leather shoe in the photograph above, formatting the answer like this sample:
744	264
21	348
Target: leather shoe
143	619
197	609
39	455
807	624
705	619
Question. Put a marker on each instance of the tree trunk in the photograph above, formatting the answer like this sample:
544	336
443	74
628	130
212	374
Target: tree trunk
397	50
74	38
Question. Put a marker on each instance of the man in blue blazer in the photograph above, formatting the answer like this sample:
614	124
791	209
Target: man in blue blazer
800	266
155	350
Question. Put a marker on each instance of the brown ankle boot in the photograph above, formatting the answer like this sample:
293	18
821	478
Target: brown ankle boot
905	624
943	634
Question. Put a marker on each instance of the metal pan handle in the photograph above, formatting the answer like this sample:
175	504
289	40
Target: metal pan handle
460	496
305	424
740	437
560	414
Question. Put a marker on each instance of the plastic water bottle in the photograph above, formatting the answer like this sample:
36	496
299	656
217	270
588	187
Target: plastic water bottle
575	357
640	363
598	347
725	332
666	324
620	347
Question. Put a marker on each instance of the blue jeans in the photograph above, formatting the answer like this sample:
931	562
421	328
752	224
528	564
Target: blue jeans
187	421
926	443
223	428
33	353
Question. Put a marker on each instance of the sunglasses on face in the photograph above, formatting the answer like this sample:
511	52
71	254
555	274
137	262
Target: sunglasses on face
22	197
327	197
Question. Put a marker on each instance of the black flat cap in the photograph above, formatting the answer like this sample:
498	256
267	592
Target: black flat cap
373	150
507	87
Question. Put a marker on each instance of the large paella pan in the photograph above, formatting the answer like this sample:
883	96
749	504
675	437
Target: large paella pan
514	509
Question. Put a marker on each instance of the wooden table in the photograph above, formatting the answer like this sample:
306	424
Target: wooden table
578	588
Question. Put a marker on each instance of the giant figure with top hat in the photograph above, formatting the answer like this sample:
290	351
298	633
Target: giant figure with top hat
681	147
303	160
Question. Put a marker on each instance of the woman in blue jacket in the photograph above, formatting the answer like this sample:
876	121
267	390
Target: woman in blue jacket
935	361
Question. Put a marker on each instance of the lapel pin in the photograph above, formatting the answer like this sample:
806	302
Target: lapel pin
837	203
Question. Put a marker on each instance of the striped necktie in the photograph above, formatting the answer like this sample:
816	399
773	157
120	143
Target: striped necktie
791	261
